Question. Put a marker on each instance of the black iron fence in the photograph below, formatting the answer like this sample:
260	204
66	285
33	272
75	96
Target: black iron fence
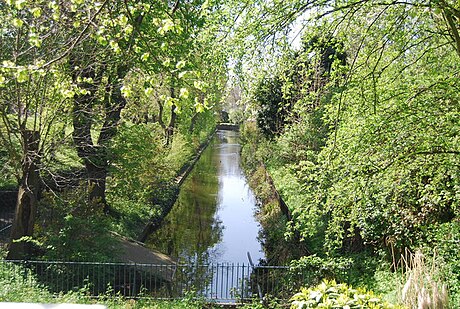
214	282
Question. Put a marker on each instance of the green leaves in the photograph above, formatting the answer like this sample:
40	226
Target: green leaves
329	294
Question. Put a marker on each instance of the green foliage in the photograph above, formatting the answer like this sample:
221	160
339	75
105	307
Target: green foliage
370	154
18	284
265	304
273	109
138	162
250	154
329	294
368	158
181	152
315	269
73	229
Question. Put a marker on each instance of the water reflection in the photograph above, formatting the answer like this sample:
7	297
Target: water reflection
212	220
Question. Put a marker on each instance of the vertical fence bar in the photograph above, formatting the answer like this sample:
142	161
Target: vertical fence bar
217	279
242	283
222	277
206	292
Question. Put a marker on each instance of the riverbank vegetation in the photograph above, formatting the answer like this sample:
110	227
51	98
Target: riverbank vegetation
358	127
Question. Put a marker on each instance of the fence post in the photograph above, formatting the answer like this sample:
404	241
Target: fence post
134	280
254	271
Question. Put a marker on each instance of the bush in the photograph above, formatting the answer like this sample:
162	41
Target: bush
69	228
315	268
329	294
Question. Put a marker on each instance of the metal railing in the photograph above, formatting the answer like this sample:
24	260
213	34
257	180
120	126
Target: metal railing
213	282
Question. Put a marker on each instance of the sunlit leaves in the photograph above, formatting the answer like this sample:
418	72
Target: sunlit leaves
20	4
149	91
22	75
180	64
34	40
145	56
18	23
115	47
199	84
36	12
127	91
184	93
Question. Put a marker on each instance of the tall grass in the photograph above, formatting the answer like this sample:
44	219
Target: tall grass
423	288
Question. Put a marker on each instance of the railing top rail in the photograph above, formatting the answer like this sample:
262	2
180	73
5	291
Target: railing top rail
146	264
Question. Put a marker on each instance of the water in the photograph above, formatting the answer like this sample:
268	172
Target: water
213	218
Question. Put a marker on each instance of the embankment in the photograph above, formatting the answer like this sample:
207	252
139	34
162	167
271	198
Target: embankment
155	222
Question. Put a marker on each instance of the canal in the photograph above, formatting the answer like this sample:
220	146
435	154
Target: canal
213	219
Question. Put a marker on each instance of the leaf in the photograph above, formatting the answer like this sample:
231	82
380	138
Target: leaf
180	64
167	26
18	23
35	40
145	56
199	108
22	75
184	93
148	91
36	12
20	4
115	47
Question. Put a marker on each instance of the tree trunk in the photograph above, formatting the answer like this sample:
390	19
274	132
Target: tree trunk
28	194
193	123
94	153
172	121
170	128
96	165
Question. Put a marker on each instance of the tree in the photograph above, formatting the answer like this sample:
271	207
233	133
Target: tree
34	94
384	172
273	110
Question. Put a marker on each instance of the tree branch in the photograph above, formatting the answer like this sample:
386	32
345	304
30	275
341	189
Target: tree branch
78	39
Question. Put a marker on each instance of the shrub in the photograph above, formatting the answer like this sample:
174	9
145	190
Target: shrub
314	268
70	228
18	284
329	294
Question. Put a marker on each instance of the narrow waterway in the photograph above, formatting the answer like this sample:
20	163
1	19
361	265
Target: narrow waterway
213	219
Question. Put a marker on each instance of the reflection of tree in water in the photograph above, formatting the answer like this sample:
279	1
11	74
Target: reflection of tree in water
192	228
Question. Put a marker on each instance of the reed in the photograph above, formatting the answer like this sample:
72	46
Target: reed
422	289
